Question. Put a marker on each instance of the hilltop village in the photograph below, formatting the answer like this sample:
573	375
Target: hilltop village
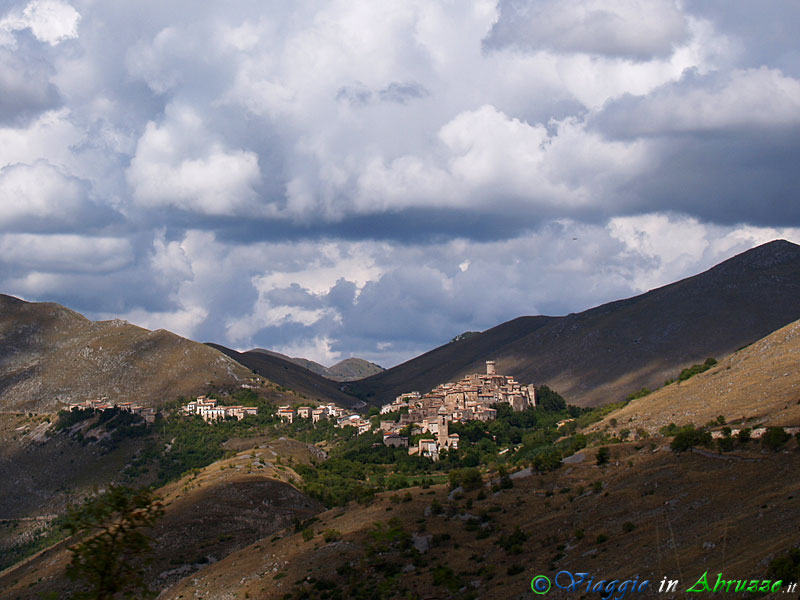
148	413
472	398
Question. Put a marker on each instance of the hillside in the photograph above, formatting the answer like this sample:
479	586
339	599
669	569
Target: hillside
290	375
603	354
647	514
349	369
209	514
50	356
758	385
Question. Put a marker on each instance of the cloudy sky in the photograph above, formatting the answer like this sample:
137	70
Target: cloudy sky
361	178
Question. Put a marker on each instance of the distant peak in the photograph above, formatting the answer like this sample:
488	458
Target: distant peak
772	253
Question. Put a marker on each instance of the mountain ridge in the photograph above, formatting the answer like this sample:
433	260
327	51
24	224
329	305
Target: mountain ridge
51	356
607	352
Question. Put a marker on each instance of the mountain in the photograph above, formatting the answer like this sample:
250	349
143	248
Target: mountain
289	374
51	355
605	353
349	369
757	385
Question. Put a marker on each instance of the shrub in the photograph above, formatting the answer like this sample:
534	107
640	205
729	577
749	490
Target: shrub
603	455
695	369
640	394
725	444
689	437
627	526
774	438
308	534
468	478
744	435
785	567
331	535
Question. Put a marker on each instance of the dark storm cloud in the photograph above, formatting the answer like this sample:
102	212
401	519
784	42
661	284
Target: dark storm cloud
764	33
727	177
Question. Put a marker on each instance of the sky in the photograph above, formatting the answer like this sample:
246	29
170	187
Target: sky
360	178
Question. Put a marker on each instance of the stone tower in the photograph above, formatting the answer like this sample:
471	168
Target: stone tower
443	432
490	367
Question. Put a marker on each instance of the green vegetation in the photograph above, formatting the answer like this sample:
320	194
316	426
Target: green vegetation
688	437
109	559
550	400
696	369
785	567
774	438
640	394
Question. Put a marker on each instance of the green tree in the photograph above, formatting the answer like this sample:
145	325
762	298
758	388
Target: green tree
689	437
548	399
775	437
113	551
602	456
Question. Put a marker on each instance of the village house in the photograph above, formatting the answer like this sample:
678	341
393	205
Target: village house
209	410
286	413
394	440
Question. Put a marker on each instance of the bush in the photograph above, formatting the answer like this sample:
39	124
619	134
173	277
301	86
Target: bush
786	567
468	478
725	444
308	534
640	394
603	455
331	535
695	369
689	437
774	438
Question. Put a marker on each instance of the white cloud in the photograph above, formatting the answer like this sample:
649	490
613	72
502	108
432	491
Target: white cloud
180	164
51	21
41	197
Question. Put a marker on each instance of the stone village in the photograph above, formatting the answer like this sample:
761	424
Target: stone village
472	398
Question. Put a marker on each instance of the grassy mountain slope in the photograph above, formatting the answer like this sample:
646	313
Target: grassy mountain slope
291	375
758	385
645	514
603	354
50	355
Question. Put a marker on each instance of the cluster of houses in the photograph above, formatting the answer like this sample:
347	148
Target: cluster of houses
209	410
148	413
472	398
343	417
